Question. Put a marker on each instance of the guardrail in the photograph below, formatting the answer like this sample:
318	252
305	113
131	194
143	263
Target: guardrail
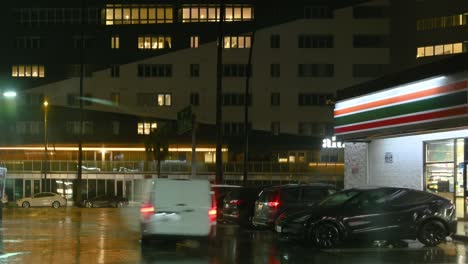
170	167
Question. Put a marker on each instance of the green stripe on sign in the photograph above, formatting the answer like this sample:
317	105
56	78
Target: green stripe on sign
448	100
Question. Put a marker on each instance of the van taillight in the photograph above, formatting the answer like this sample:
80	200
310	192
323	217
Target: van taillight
212	213
147	210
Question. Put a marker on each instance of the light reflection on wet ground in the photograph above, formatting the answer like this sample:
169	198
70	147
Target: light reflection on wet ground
75	235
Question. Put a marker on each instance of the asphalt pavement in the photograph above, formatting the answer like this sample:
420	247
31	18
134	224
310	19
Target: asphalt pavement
93	235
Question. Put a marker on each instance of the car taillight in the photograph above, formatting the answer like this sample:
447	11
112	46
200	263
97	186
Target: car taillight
236	202
147	210
212	213
273	204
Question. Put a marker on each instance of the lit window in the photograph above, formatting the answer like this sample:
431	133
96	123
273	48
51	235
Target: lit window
457	48
429	51
448	49
439	49
154	42
420	52
194	41
164	100
145	128
30	71
115	42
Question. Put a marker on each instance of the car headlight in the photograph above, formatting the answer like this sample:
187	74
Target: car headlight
301	219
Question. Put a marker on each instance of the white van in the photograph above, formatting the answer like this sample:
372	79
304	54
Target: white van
178	208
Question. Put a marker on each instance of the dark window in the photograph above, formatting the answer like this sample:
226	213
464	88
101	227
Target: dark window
318	12
372	198
194	99
115	71
405	197
290	194
72	100
275	128
194	70
275	70
315	70
366	12
235	99
315	41
154	70
275	41
370	41
275	99
236	70
315	99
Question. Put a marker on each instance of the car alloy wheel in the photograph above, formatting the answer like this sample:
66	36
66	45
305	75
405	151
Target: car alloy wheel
326	235
26	205
88	204
119	205
56	204
432	233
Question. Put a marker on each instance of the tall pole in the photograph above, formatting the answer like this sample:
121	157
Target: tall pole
219	96
80	136
194	146
46	157
246	111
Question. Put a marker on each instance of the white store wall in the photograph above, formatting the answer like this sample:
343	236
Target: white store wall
406	170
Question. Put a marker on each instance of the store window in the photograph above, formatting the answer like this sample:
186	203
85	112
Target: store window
440	157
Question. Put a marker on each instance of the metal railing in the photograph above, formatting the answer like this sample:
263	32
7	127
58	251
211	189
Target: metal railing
171	167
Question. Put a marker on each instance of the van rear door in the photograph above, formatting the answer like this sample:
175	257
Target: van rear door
182	207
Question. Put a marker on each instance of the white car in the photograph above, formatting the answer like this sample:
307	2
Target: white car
178	208
42	199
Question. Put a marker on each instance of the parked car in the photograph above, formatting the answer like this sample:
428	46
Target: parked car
42	199
220	191
380	213
124	169
275	200
239	205
178	209
106	201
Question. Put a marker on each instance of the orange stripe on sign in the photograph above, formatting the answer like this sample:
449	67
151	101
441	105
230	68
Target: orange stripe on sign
398	99
403	120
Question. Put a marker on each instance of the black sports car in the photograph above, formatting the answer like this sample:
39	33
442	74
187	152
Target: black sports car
380	213
106	201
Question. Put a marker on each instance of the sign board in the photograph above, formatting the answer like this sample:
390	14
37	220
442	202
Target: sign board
184	120
388	157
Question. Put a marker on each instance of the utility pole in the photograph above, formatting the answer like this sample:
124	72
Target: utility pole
246	109
46	157
219	96
80	136
194	146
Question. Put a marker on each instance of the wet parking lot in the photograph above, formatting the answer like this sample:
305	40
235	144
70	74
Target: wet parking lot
82	235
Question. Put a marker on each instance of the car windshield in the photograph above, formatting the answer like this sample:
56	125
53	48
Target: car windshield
339	198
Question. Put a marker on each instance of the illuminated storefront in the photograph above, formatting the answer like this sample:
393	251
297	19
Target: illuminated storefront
411	134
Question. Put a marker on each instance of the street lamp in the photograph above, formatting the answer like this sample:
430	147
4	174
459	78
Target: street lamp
46	104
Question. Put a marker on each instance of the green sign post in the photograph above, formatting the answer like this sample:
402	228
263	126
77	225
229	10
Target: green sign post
184	120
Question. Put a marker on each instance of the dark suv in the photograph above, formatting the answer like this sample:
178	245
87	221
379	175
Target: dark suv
273	201
238	205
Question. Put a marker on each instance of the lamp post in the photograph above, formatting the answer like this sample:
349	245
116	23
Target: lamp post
46	104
